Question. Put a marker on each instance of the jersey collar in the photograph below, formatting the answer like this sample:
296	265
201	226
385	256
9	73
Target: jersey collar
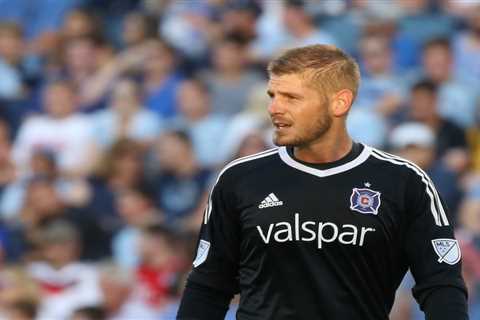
362	157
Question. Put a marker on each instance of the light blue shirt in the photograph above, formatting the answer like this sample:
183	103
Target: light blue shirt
125	247
145	125
205	135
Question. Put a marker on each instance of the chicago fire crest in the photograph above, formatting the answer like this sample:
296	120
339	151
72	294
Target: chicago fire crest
365	201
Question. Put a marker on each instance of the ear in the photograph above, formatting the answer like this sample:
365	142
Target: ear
341	102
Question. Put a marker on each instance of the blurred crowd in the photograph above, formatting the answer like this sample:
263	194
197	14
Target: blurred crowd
115	117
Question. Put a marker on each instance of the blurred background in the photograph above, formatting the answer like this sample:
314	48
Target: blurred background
115	117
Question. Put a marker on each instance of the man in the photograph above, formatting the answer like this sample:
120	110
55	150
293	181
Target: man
457	100
381	89
415	142
322	227
63	131
126	117
65	282
195	116
450	140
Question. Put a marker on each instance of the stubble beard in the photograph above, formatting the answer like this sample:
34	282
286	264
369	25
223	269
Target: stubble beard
307	136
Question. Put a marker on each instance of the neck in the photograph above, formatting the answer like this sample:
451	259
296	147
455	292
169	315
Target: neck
187	167
154	80
434	122
195	117
326	149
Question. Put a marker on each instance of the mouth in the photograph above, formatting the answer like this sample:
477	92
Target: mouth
281	125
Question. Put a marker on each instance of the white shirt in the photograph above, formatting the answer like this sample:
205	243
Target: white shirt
70	138
65	289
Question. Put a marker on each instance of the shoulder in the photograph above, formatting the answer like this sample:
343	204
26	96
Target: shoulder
396	167
450	125
241	167
35	121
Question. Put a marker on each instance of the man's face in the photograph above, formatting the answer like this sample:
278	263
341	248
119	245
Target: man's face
11	46
423	105
376	55
59	101
299	113
125	96
80	56
228	56
437	63
193	102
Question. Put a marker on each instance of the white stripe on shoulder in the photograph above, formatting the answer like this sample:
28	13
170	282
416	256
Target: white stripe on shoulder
430	188
259	155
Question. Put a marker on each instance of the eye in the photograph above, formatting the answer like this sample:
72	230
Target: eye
291	98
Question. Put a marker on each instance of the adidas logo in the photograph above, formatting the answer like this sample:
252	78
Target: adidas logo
270	201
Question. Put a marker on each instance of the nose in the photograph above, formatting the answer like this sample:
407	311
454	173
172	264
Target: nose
274	107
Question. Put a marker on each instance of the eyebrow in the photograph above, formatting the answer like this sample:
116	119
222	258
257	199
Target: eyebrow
285	94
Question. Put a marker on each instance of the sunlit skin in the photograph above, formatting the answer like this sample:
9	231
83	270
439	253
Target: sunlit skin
313	123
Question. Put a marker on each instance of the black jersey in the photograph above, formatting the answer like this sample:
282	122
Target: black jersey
324	242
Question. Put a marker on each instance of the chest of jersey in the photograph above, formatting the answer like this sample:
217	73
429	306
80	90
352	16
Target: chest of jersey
349	210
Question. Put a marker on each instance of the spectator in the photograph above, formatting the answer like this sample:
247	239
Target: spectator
466	48
240	18
7	169
40	19
158	272
421	22
42	164
416	142
469	236
450	140
126	117
456	101
381	89
136	29
19	291
197	119
161	79
119	296
11	48
300	27
187	26
79	23
135	207
230	77
120	169
67	134
42	205
181	185
66	283
81	65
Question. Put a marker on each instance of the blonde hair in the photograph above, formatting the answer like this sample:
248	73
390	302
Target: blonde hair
325	67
